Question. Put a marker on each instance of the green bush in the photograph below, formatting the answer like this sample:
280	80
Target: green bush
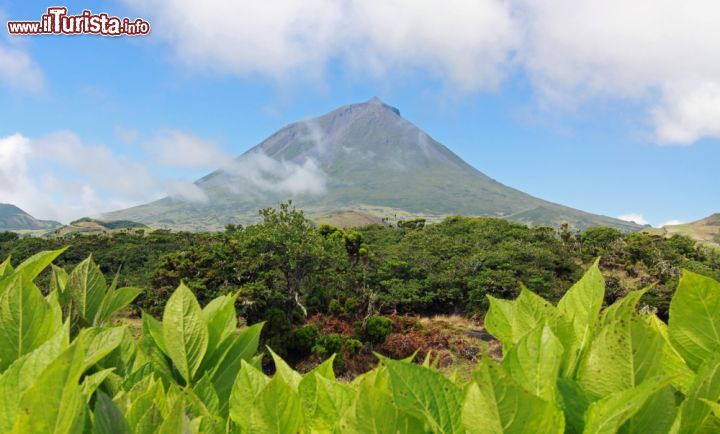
304	339
352	304
335	308
328	345
352	346
377	329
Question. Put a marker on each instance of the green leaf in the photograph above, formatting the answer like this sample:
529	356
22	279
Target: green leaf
276	409
626	307
206	392
510	321
529	312
243	347
144	403
575	402
610	413
24	372
55	403
6	268
99	342
26	320
288	374
308	385
534	363
58	280
694	411
107	417
153	329
248	385
714	406
498	320
374	410
495	404
655	416
624	354
581	304
91	382
426	394
221	319
185	332
31	267
87	287
115	301
332	401
673	364
175	422
694	325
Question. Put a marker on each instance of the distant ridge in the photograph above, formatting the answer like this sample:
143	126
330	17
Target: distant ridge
363	158
13	218
706	230
90	226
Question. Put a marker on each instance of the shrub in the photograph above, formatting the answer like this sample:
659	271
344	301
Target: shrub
352	304
332	343
377	329
304	339
352	346
335	308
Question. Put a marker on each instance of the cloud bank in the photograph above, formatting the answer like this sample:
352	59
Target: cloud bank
59	176
257	174
661	54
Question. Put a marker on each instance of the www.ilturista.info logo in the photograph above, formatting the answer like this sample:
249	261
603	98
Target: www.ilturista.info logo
57	22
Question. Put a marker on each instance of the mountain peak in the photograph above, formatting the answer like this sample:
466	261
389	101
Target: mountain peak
360	157
13	218
375	101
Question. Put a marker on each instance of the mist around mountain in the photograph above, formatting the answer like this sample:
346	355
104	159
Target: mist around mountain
13	218
361	158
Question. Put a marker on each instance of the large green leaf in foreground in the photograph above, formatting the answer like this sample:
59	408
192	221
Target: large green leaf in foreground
694	325
567	369
185	331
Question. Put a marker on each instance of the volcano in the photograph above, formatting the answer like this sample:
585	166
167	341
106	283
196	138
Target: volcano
360	158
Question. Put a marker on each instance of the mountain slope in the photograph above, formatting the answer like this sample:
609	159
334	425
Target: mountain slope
13	218
361	157
89	226
706	230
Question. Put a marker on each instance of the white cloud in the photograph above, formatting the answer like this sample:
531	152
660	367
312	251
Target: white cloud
60	177
633	217
178	149
187	191
688	112
18	70
661	54
258	174
468	41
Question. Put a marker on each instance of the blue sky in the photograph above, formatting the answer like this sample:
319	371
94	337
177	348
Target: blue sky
605	113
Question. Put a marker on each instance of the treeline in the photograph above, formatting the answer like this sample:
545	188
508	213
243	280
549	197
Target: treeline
287	269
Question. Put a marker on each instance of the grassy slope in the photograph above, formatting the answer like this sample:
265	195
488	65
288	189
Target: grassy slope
705	231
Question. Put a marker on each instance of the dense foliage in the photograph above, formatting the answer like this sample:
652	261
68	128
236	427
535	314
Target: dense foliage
573	367
287	271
